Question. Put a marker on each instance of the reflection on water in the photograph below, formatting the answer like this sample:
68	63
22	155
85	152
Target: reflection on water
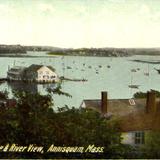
29	87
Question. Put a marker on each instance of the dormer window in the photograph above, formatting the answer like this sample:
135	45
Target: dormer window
132	102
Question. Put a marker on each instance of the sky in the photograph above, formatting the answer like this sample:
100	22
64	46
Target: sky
81	23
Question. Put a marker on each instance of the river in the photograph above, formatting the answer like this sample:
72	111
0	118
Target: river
111	74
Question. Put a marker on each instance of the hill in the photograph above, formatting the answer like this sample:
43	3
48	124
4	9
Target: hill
10	49
106	52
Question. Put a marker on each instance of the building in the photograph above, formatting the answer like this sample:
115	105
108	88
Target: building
41	73
33	73
15	73
137	117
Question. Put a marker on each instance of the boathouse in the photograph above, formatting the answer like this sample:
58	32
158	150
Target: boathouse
33	73
136	117
16	73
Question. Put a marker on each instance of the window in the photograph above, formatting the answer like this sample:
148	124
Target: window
132	102
40	72
52	77
139	138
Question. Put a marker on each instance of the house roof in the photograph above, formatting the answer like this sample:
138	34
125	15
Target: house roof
17	68
131	117
35	67
117	107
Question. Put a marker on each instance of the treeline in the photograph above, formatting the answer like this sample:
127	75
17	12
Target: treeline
101	52
144	94
41	48
105	52
4	49
9	49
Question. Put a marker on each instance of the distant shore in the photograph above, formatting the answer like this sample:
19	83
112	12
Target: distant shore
145	61
23	56
21	51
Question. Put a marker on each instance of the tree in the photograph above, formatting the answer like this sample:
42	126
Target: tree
151	148
34	121
144	94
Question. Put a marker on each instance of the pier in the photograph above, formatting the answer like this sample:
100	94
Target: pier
2	80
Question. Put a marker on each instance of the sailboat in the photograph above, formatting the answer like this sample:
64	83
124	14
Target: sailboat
134	86
147	73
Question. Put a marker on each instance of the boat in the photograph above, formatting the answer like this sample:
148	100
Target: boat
2	80
147	73
100	66
133	70
158	70
68	67
134	86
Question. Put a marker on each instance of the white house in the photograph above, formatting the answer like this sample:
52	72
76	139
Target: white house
137	117
37	73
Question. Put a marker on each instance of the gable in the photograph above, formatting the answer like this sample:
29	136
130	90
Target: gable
45	69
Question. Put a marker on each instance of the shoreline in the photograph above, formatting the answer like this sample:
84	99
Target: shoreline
145	61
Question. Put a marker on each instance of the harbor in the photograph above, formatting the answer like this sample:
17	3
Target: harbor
113	74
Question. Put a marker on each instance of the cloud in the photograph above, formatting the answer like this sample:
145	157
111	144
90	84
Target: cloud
147	13
145	10
117	1
47	8
81	9
5	8
155	17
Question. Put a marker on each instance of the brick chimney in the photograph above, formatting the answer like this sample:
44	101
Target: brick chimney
151	102
104	102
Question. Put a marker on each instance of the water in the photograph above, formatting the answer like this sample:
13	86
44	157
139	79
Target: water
115	79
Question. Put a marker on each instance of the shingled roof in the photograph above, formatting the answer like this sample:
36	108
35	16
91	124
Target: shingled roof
131	114
35	67
117	107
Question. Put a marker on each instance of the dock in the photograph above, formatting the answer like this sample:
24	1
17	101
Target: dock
2	80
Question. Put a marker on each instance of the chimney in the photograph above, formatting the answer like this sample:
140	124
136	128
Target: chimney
104	102
151	102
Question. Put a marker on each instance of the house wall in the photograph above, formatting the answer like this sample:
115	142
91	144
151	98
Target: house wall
30	76
130	137
83	105
46	74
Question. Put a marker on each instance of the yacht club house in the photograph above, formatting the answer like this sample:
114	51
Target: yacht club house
33	73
